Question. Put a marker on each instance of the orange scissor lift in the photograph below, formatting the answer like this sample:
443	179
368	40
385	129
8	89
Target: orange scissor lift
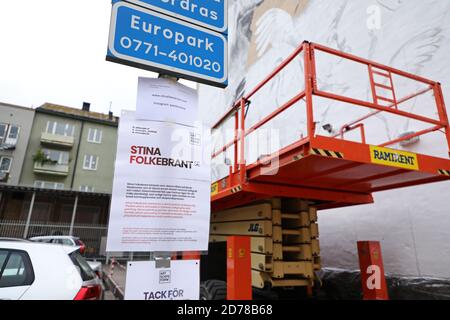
330	171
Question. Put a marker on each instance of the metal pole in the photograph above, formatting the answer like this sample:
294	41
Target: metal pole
242	166
30	211
309	92
74	212
442	110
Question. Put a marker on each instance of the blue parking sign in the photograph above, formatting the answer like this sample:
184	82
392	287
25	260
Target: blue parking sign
206	13
150	40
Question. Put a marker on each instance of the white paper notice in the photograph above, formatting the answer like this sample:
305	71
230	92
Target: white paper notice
161	189
179	282
166	100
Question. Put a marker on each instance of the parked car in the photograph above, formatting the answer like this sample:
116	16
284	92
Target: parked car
35	271
71	241
65	240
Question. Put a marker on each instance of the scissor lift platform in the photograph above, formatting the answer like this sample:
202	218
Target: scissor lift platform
331	171
274	200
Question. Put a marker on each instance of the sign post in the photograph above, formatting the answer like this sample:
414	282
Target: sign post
161	199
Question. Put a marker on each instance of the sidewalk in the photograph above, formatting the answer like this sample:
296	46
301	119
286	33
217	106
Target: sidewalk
115	282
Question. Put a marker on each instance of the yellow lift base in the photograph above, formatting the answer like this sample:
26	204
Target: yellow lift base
284	240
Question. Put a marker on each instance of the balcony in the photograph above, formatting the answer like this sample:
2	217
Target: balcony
57	140
51	169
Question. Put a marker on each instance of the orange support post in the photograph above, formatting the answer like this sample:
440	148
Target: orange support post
239	276
372	271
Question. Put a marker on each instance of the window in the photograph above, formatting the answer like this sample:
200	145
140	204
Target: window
48	185
3	255
5	164
15	269
95	135
62	129
9	133
3	130
13	132
86	189
63	241
61	157
90	162
44	240
83	267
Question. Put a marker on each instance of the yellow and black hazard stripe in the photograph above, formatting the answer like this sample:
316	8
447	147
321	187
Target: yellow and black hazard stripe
327	153
214	189
443	172
298	157
236	189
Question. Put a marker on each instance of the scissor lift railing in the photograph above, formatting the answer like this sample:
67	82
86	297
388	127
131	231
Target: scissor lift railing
330	170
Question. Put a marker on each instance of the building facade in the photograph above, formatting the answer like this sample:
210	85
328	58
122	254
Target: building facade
64	182
71	149
15	128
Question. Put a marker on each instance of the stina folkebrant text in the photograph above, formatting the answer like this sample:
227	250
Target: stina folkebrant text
143	155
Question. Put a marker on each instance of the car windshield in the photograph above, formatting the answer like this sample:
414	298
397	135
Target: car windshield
82	266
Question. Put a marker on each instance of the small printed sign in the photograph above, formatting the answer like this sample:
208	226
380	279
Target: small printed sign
164	276
179	282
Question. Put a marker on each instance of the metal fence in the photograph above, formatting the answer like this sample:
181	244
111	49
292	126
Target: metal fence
90	234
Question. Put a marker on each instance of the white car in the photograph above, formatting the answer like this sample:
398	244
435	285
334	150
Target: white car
65	240
71	241
39	271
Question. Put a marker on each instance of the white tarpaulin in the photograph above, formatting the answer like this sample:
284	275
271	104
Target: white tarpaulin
166	100
179	282
161	189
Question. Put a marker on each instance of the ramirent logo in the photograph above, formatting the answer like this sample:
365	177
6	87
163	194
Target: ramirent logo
394	158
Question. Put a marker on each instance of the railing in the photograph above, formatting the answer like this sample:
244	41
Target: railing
51	169
91	235
238	110
57	139
393	107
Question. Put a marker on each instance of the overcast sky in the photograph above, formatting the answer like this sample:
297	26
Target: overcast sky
54	51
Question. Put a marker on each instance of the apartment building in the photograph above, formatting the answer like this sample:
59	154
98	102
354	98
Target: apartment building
64	183
71	149
15	128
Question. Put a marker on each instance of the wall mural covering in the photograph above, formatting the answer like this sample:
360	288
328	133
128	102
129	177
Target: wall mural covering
411	35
